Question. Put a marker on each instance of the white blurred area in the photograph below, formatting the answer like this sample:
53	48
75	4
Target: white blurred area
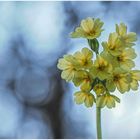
34	126
11	112
27	34
34	101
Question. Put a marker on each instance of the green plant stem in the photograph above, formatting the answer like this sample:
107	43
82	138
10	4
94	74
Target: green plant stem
98	123
94	45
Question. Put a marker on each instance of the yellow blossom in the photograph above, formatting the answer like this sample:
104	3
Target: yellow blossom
125	59
114	45
119	79
84	80
89	28
67	64
84	97
84	58
135	75
107	100
101	68
128	38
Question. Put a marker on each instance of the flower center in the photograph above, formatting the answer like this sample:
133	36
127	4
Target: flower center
90	32
87	80
112	47
101	68
84	62
116	78
120	58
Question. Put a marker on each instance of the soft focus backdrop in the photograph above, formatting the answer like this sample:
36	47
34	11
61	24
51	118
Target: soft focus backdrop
34	101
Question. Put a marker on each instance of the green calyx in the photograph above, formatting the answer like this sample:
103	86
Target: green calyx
94	45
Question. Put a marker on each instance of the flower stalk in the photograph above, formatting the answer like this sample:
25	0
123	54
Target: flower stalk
98	123
98	109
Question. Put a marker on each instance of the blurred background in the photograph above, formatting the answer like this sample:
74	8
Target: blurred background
34	101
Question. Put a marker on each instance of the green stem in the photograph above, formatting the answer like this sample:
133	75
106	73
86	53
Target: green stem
94	45
98	123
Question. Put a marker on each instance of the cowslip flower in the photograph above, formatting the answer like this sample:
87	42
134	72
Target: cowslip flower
118	79
84	80
135	75
127	38
84	58
125	59
89	28
84	97
114	45
101	68
107	100
68	65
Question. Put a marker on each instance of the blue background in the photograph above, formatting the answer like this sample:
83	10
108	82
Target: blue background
34	101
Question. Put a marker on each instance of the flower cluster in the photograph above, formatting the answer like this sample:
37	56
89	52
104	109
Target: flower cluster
112	69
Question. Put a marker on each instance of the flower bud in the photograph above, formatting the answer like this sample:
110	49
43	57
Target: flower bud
94	45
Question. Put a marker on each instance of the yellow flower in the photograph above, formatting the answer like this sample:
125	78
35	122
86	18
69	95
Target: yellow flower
101	68
128	38
84	58
114	45
99	89
84	80
107	100
84	97
119	79
89	28
135	75
125	59
67	64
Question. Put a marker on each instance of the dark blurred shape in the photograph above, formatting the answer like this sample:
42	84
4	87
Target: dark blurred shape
72	18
